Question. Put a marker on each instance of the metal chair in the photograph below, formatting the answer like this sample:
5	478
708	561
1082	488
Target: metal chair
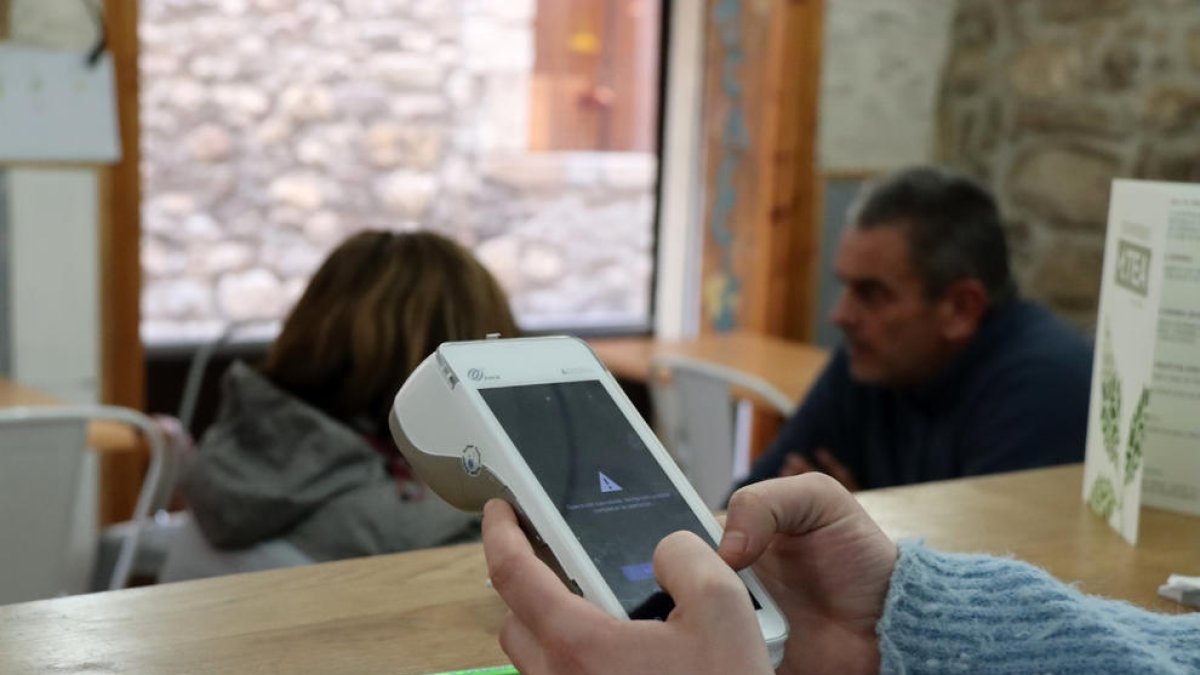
154	535
702	414
43	448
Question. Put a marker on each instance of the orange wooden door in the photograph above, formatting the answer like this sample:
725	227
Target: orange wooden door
596	75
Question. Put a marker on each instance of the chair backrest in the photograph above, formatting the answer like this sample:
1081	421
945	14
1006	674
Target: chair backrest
153	536
190	397
190	556
41	462
701	414
77	417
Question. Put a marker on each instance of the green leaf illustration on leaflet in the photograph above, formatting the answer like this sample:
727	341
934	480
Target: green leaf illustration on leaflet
1110	401
1137	433
1103	497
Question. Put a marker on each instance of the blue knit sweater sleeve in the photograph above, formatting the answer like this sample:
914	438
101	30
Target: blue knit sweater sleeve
954	613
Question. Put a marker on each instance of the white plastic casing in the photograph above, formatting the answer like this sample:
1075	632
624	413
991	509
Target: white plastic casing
458	447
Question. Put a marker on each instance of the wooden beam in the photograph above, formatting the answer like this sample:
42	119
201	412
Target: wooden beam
5	13
762	79
122	367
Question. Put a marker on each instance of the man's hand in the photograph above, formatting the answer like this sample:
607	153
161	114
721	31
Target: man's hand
823	560
824	462
550	630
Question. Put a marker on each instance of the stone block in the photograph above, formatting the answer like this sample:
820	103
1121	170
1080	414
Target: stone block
244	296
390	144
492	46
200	227
162	260
219	258
629	171
247	222
1067	271
1070	11
406	193
382	34
214	67
461	88
541	263
210	143
174	203
1119	65
292	256
1047	70
241	101
419	107
974	24
185	94
1064	185
300	190
283	216
158	64
406	71
1193	47
505	127
177	298
969	71
1172	108
509	11
307	103
251	46
418	40
502	256
313	152
433	11
362	99
1179	162
374	9
325	228
273	131
524	171
290	295
1074	117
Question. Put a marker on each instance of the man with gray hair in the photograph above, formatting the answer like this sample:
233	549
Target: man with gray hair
944	371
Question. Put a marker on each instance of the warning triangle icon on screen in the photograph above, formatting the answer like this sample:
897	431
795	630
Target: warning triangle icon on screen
607	484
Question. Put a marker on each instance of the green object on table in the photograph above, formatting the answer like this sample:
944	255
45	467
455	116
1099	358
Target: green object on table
494	670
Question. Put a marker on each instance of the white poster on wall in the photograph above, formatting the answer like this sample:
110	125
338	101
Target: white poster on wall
56	107
1143	431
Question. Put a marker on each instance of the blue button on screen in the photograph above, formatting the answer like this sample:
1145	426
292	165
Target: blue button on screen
638	572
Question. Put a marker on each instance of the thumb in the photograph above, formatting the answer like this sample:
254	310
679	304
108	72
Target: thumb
703	587
793	506
713	615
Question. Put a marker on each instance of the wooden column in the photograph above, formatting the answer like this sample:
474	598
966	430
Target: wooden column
122	364
762	74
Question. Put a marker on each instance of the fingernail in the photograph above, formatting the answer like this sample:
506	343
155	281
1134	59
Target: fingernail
733	543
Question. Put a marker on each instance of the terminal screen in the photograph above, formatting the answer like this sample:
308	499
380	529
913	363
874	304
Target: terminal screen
602	478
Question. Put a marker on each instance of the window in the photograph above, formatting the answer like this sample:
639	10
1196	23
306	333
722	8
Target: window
272	129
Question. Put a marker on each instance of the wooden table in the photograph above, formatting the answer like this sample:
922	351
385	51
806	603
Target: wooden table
430	610
123	455
1039	516
791	366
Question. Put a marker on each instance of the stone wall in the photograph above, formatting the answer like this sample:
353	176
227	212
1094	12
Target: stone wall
1049	100
272	129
